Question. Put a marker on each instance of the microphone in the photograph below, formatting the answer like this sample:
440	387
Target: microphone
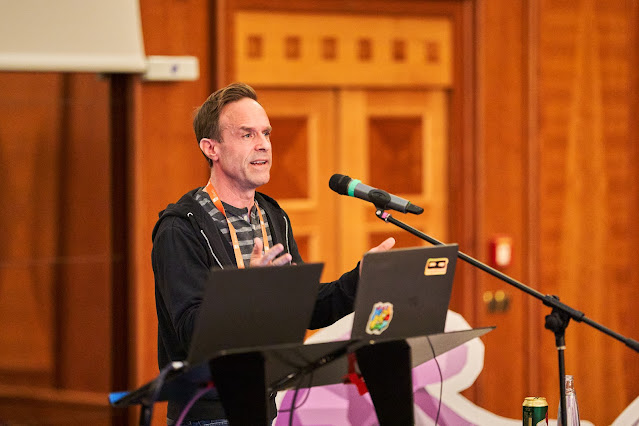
344	185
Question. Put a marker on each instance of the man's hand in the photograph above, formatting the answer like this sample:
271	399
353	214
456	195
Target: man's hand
387	244
270	257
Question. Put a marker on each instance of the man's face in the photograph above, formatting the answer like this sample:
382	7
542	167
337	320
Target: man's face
244	153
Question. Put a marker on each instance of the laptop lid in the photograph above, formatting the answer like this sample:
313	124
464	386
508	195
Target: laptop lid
404	292
249	308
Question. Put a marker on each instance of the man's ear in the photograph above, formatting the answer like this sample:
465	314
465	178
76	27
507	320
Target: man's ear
208	148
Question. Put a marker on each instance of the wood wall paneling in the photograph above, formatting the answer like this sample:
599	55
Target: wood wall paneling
85	227
584	159
589	189
631	292
55	267
29	405
462	196
26	304
501	159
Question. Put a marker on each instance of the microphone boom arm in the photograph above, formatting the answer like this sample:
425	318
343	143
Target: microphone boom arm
546	299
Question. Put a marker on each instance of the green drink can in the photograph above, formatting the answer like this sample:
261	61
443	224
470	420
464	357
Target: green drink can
535	411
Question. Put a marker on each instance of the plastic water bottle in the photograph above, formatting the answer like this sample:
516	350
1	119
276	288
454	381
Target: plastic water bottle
572	408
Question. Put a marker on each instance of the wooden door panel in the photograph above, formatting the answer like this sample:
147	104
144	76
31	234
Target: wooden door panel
304	159
395	141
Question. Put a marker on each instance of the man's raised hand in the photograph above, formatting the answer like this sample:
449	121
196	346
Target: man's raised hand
270	258
387	244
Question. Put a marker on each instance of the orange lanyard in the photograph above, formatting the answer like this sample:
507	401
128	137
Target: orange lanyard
236	245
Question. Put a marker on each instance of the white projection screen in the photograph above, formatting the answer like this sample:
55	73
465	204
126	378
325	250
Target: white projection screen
71	35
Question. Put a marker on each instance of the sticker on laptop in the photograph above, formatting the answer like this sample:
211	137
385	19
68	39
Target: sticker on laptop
436	266
380	318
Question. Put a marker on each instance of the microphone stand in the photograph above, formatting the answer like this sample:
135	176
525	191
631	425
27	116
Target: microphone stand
556	322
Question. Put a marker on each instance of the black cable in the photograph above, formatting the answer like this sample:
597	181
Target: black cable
292	408
441	380
309	387
308	369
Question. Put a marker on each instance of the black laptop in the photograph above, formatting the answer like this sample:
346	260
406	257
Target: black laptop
404	292
248	308
241	310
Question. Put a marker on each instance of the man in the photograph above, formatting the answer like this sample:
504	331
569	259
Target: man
227	223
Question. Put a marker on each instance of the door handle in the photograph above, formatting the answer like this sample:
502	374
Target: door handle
496	302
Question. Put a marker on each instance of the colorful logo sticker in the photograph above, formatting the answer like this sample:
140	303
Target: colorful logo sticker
436	266
380	318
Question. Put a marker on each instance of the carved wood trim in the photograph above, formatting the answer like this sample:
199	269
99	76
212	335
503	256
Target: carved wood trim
292	49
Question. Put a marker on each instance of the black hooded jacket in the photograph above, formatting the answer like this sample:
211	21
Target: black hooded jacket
186	245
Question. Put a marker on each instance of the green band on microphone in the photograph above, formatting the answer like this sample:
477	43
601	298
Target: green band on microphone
351	187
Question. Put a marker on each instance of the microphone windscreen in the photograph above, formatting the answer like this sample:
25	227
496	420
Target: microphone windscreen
339	183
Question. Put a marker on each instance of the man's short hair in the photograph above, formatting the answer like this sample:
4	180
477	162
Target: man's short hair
206	122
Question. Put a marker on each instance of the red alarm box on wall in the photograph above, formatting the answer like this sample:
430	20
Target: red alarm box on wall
501	251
